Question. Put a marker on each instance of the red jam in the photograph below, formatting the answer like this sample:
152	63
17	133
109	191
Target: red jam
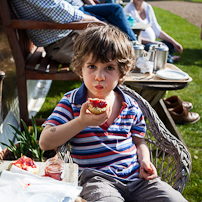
54	172
98	103
54	168
23	162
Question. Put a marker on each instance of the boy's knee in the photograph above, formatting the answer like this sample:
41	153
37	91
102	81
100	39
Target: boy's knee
99	189
171	195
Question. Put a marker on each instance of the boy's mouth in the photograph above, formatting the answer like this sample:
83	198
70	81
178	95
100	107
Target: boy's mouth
99	87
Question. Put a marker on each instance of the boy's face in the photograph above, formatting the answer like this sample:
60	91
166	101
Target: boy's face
100	78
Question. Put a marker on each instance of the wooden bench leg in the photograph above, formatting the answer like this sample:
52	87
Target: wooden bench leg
166	118
154	97
2	75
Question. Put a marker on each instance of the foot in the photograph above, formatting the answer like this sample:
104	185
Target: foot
174	101
181	116
175	58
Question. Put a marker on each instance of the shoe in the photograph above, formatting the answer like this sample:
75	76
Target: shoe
181	116
174	101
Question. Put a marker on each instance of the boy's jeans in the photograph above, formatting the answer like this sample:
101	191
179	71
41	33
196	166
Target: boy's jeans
101	187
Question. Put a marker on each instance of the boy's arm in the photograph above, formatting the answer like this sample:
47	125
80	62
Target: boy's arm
147	169
55	136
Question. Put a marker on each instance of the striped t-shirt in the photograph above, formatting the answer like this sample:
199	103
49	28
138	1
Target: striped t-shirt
109	149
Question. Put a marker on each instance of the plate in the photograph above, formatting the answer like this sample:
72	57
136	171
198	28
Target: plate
172	74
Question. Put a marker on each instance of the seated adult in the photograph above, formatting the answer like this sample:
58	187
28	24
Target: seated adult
143	12
59	43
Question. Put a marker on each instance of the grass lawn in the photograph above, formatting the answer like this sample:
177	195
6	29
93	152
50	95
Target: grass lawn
191	62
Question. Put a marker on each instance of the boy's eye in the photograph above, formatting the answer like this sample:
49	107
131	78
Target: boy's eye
110	67
91	66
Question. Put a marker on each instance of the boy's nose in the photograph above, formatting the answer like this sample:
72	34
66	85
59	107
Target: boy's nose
99	76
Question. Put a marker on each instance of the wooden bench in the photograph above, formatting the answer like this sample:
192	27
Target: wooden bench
31	62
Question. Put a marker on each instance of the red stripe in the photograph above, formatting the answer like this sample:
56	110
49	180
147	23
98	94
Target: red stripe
52	121
138	132
127	117
65	107
102	135
76	114
104	154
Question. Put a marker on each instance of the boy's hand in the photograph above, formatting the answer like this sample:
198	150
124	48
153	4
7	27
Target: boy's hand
89	119
147	171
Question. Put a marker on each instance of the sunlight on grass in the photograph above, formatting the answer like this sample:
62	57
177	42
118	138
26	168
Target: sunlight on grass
58	89
191	62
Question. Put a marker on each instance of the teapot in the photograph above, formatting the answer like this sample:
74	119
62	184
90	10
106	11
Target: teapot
139	49
158	53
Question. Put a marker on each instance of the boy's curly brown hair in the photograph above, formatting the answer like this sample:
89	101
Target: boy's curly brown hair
105	43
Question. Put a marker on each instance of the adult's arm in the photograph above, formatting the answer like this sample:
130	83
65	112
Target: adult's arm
89	2
164	36
160	33
58	11
90	18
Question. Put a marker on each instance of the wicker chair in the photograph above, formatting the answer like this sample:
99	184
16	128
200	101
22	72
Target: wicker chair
169	155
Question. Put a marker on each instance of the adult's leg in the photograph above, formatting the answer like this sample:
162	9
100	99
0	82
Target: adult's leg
153	191
62	50
114	14
170	46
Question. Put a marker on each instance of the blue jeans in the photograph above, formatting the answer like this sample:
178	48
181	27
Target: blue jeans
113	14
170	47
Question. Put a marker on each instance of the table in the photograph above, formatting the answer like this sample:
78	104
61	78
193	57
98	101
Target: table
71	170
153	88
138	28
71	173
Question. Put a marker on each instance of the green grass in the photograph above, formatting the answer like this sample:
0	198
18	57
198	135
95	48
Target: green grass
191	62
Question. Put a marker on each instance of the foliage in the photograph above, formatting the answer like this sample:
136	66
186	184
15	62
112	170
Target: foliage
27	141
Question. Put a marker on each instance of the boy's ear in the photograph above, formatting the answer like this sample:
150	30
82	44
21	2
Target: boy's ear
121	79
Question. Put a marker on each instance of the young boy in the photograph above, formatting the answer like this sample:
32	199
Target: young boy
109	148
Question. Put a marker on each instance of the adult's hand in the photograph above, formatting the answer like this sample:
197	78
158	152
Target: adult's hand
178	47
90	18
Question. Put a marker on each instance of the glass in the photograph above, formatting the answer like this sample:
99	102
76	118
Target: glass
54	168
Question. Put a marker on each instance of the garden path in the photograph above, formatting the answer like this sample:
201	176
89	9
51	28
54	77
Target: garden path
191	11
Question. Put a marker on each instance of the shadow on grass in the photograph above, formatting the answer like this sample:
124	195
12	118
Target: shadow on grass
191	57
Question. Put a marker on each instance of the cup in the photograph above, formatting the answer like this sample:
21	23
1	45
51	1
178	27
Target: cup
130	19
54	168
